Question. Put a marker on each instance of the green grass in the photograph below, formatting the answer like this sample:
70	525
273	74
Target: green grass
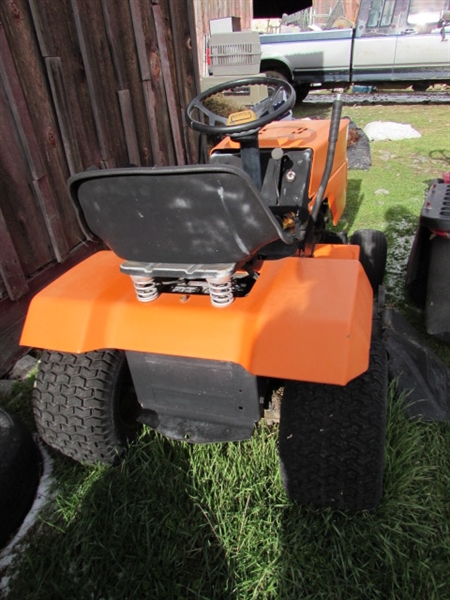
180	521
212	522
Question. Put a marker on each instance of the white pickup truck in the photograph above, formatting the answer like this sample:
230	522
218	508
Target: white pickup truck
394	43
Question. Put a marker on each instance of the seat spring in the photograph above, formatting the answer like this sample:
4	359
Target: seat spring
221	291
145	288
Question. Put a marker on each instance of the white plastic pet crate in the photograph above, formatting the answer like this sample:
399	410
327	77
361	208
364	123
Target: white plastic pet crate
237	53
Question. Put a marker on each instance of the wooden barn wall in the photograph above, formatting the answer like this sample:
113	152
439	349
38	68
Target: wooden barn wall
82	83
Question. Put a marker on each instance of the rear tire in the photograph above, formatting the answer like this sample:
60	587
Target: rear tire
332	439
373	254
85	405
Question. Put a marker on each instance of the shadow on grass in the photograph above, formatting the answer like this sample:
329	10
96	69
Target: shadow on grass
353	204
354	200
441	155
400	222
126	532
211	522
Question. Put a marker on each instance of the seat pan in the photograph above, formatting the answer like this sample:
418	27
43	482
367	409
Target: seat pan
199	213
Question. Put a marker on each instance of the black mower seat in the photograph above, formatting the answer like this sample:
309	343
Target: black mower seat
205	214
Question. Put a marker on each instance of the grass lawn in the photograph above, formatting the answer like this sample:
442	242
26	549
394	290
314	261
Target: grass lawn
175	521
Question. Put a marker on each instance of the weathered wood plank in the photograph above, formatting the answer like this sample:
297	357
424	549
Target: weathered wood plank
121	39
113	30
167	72
60	35
10	267
141	45
42	27
157	150
102	93
130	127
18	106
25	128
186	69
55	229
23	217
36	122
150	64
56	78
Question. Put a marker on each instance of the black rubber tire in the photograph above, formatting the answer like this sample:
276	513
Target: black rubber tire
332	439
437	307
85	405
373	254
277	75
19	473
420	86
302	90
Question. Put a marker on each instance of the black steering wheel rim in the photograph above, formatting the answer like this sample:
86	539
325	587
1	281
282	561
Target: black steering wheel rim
212	129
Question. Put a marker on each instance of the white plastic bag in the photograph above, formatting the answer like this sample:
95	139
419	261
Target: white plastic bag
387	130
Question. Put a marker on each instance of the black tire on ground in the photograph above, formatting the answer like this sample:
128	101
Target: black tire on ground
19	473
302	90
332	439
437	307
85	405
373	254
420	86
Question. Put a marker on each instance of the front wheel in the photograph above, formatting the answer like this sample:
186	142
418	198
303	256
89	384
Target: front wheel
85	405
332	439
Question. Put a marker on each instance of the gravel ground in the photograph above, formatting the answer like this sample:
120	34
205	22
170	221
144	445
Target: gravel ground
381	98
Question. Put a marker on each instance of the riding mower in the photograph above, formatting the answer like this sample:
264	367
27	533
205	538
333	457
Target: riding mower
220	284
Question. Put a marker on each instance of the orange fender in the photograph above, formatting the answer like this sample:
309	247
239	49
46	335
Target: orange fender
305	318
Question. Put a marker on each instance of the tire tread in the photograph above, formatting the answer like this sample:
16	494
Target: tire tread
73	402
332	439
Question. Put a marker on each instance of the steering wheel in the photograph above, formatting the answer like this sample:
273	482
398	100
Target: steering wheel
280	99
